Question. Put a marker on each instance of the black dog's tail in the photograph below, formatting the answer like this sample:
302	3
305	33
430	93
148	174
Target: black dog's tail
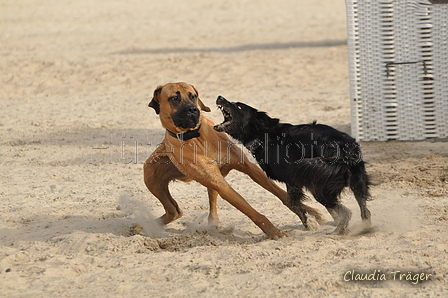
360	184
360	181
314	173
348	156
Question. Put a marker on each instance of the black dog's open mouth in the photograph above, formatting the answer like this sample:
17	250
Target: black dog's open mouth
222	104
226	114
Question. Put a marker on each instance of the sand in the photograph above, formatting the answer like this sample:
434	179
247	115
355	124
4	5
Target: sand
75	129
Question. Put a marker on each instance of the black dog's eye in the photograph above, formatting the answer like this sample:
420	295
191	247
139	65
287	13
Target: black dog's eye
239	107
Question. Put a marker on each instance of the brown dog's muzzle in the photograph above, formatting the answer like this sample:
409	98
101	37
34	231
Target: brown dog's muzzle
187	117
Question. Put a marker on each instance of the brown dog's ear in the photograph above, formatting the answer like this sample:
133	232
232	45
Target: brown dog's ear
201	104
155	100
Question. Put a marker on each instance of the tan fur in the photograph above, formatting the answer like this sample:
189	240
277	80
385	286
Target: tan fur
206	159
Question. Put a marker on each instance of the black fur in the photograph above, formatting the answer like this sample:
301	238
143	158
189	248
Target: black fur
313	156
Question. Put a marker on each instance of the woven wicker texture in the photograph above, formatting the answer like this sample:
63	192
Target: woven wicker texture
398	63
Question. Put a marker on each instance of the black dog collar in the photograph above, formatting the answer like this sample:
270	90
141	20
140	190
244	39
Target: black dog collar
191	134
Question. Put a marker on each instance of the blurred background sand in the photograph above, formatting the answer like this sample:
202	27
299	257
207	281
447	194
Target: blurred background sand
75	129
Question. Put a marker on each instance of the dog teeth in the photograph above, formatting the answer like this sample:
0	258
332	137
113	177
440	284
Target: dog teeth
227	115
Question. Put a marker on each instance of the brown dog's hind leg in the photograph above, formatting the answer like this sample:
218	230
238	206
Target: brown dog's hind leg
313	212
158	172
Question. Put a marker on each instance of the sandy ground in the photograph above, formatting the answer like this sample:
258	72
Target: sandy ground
75	129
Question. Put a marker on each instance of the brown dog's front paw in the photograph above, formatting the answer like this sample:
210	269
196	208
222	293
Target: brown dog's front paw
277	234
270	230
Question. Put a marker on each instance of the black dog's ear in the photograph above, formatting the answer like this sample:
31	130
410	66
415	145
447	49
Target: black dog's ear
264	121
201	104
155	100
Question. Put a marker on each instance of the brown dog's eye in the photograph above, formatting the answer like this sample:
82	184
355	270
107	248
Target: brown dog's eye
192	97
174	99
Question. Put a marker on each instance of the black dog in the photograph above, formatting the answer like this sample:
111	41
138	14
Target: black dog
315	156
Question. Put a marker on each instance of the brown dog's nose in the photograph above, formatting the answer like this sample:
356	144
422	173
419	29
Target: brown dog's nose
192	110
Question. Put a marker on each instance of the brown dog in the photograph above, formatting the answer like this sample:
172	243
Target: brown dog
194	150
